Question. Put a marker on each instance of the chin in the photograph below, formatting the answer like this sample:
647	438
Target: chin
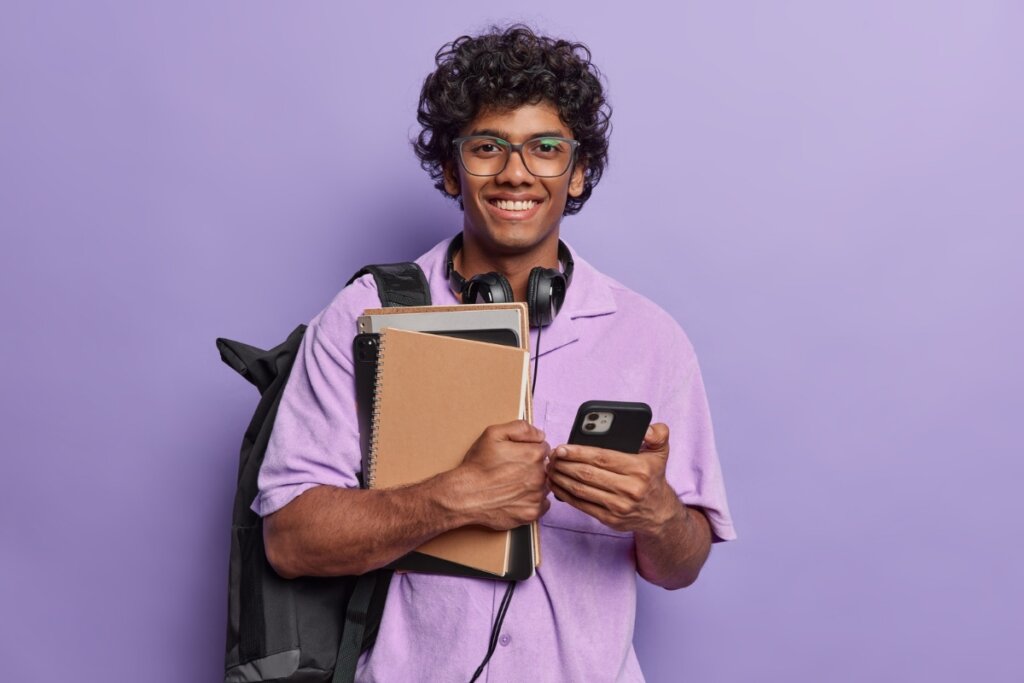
514	239
511	237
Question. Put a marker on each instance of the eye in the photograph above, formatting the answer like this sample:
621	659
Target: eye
547	147
486	147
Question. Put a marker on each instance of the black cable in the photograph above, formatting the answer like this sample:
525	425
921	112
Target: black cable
536	363
498	620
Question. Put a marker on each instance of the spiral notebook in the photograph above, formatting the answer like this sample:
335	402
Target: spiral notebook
434	396
477	322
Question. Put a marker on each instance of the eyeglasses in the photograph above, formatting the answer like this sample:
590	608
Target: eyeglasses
544	157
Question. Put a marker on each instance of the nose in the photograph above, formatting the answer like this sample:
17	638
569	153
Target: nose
515	171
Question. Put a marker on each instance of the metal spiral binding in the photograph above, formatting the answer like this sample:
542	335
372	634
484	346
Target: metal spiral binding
375	414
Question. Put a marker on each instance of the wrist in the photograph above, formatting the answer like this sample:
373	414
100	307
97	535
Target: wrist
668	513
448	500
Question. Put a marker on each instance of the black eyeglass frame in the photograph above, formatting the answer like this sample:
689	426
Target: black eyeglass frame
458	142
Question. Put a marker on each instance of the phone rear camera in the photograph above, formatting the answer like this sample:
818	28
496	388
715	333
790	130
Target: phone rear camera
589	427
593	416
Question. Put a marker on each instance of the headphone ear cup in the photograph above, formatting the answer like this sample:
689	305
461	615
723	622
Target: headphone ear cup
507	295
488	288
545	293
535	307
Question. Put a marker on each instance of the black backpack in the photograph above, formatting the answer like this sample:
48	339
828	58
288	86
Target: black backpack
310	629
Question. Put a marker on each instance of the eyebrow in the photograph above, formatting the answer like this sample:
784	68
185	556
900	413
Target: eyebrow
504	135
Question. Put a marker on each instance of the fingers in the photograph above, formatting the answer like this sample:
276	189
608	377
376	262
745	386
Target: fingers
517	430
598	512
590	492
568	472
614	491
601	458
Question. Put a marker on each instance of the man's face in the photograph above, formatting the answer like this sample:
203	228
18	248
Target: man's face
504	230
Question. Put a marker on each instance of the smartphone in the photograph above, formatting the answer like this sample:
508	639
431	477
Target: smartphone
615	425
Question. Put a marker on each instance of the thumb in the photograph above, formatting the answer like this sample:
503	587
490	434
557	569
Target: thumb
656	439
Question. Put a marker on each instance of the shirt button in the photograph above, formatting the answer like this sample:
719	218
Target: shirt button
505	639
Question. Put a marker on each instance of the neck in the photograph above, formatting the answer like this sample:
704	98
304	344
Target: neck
475	258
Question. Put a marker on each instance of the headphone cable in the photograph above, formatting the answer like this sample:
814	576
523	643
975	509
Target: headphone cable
502	610
499	618
536	364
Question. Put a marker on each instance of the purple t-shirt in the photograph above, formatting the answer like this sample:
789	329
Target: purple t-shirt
573	620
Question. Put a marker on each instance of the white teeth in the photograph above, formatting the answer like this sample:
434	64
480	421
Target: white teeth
514	206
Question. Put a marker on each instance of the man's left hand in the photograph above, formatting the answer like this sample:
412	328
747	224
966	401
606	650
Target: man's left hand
624	491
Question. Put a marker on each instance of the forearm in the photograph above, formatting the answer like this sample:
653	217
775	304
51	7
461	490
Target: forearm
329	531
672	553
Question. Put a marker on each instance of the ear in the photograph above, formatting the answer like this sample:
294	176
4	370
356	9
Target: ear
451	180
576	181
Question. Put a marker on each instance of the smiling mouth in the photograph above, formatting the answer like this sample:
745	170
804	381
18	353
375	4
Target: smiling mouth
508	205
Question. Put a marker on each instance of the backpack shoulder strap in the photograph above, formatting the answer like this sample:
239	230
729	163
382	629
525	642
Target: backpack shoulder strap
362	618
398	284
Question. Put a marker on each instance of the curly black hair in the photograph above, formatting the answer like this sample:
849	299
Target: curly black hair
504	69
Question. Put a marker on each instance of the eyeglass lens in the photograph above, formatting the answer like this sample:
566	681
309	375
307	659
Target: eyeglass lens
544	157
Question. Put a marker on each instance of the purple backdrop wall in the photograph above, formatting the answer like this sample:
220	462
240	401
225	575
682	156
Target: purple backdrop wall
826	195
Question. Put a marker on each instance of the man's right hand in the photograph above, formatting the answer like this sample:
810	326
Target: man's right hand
502	483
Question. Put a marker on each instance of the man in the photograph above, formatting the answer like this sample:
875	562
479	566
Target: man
515	128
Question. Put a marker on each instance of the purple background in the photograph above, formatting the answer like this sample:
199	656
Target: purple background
828	196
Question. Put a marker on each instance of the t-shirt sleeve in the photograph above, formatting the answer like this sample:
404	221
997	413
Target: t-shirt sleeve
693	469
315	439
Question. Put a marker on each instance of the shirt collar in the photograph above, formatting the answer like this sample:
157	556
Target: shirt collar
588	296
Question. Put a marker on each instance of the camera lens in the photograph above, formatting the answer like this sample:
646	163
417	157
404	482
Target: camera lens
589	427
593	416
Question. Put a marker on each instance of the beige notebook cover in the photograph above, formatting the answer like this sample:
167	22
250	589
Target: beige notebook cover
458	317
435	395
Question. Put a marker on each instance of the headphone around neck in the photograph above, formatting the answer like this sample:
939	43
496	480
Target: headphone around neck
545	291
